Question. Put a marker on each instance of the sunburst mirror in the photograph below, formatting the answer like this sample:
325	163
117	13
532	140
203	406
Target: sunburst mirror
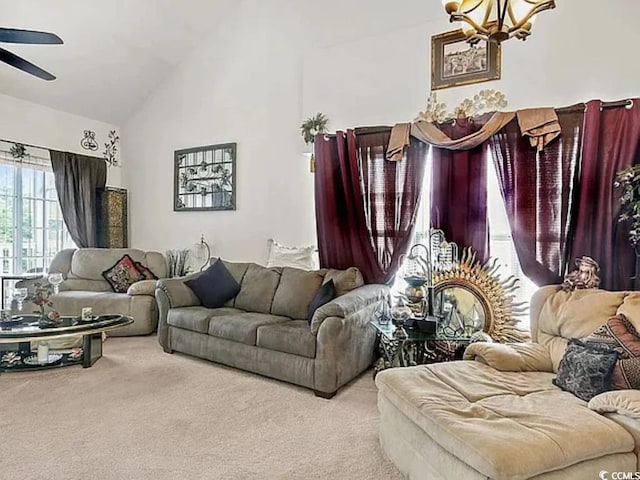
471	297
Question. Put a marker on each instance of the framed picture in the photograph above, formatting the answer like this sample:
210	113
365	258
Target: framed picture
205	178
455	62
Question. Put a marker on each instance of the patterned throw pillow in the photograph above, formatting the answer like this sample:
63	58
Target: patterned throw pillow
146	273
585	370
123	274
620	335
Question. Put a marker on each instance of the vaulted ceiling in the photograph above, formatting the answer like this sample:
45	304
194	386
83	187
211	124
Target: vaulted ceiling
115	52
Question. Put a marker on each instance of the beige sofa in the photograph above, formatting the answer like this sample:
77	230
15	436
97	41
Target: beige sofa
84	286
264	328
497	414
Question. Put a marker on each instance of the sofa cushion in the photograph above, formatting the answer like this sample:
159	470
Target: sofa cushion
290	337
214	286
71	302
345	280
89	263
295	292
237	271
258	288
122	274
196	319
585	370
576	314
82	284
325	294
488	418
241	327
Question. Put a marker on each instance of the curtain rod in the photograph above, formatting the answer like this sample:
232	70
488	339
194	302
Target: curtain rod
25	144
581	107
46	148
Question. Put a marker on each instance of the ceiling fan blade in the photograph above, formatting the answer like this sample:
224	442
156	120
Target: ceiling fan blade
13	35
21	64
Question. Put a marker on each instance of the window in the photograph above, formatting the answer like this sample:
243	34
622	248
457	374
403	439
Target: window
32	230
500	242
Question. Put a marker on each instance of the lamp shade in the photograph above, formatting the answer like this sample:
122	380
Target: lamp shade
496	20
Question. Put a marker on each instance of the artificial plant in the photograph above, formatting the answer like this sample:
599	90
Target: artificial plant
629	181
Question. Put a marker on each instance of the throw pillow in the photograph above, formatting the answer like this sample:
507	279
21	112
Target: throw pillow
325	294
214	286
146	273
123	274
295	257
585	369
620	335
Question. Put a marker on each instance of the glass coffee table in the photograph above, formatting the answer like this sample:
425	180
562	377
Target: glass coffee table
20	331
416	348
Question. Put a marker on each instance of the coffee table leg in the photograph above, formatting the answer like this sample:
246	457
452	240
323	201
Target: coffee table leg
24	348
91	349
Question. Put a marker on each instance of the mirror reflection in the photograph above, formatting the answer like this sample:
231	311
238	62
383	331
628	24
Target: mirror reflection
459	311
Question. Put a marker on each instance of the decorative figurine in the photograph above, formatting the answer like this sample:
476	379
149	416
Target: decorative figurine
586	276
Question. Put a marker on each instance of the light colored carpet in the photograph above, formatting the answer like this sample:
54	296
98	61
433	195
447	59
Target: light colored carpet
139	413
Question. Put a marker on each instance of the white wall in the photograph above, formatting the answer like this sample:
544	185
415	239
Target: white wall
34	124
363	62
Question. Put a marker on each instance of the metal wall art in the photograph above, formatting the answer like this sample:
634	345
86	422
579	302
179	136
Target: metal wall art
205	178
111	148
89	142
18	151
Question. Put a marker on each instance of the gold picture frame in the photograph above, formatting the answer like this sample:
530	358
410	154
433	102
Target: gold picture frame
455	62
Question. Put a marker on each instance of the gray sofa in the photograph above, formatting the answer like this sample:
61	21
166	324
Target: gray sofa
84	286
264	328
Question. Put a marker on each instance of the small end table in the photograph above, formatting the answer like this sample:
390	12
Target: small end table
416	349
15	276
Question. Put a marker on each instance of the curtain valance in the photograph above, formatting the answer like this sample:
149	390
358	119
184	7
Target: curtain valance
539	124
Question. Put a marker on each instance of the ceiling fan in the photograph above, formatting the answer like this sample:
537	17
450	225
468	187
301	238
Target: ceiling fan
12	35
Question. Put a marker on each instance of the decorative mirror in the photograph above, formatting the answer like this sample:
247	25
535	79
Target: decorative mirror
205	178
471	298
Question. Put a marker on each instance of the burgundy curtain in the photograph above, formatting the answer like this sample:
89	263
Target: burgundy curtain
538	189
459	190
611	138
365	204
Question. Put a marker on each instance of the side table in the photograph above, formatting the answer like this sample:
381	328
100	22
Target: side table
416	349
9	276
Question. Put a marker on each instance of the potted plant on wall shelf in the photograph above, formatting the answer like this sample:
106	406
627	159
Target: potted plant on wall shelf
309	129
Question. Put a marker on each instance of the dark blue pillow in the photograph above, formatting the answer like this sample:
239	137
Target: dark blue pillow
325	294
214	286
585	369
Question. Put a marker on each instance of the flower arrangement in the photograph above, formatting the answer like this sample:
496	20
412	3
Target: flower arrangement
40	296
483	101
312	126
629	181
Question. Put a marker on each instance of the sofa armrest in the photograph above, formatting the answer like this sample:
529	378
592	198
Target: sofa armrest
143	287
624	402
513	357
349	303
177	293
30	283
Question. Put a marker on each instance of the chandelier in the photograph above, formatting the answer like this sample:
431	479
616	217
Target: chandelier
496	20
